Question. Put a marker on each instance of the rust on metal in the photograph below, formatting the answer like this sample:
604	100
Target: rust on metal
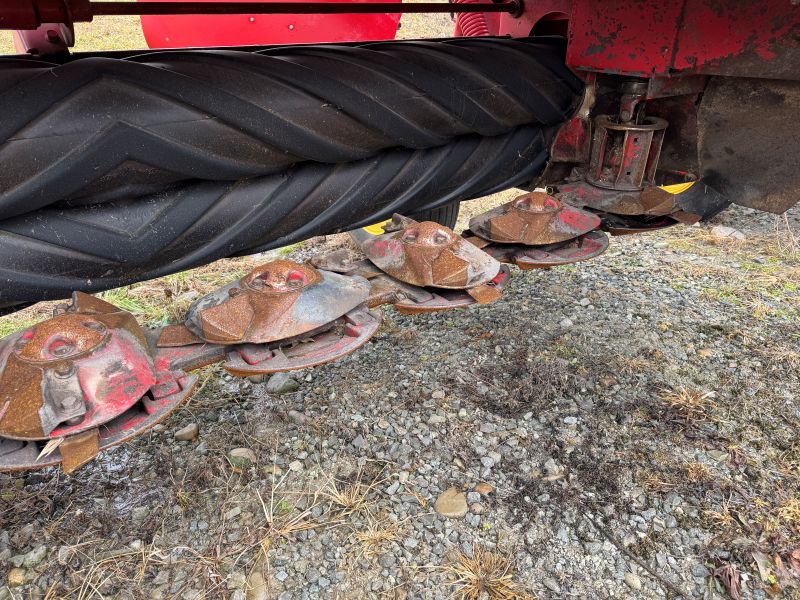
73	372
79	449
533	219
427	254
275	301
173	336
340	338
585	247
485	294
437	300
651	201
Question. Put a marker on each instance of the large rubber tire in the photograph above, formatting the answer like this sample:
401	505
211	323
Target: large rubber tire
446	215
98	129
50	252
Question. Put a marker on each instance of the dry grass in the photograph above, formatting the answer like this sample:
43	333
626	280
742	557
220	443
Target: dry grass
375	535
691	405
723	517
789	513
697	472
485	575
104	33
350	498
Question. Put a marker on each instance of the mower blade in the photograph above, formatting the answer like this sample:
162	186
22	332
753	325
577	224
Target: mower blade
340	338
533	219
585	247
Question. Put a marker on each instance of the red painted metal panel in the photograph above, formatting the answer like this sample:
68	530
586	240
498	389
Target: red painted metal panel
253	30
736	37
623	36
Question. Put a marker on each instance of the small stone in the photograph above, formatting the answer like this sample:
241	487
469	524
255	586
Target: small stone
383	423
297	417
359	442
296	466
387	561
585	302
632	581
410	543
16	577
241	458
438	395
484	489
552	468
139	514
233	513
722	231
35	556
392	489
476	508
487	461
718	455
566	323
188	433
282	383
256	586
437	420
552	585
452	503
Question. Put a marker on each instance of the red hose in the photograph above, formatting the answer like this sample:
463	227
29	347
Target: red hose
471	24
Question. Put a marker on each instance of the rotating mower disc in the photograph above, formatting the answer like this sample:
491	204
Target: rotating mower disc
585	247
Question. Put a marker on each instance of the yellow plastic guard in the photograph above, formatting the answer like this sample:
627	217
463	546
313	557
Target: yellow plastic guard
377	228
677	188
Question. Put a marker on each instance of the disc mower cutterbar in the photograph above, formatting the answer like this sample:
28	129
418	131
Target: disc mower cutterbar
91	377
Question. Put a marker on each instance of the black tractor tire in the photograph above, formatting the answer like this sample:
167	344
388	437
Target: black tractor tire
115	170
446	215
50	252
100	129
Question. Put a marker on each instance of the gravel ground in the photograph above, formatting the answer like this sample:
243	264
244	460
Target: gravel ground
620	428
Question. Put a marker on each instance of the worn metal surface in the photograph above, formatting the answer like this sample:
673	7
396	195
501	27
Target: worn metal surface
408	298
647	37
585	247
748	139
652	200
427	255
627	225
533	219
337	339
73	372
278	300
442	299
624	155
24	455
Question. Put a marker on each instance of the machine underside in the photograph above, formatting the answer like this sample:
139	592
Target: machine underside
123	167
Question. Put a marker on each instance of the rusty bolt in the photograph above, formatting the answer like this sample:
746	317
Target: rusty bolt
65	370
69	402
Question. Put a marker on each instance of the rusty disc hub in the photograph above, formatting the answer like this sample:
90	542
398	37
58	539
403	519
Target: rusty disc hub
429	255
278	300
73	372
533	219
